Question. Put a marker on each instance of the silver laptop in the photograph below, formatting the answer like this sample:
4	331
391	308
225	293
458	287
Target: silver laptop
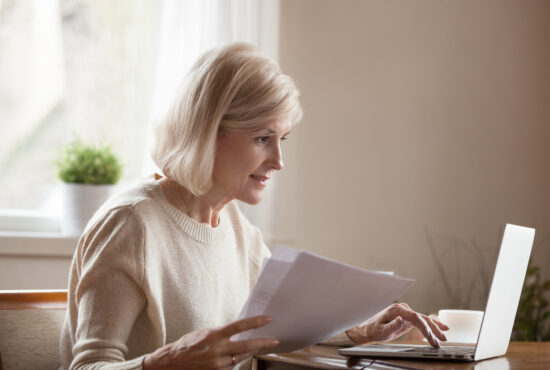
500	312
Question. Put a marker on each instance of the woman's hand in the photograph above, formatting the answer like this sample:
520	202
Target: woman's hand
395	321
210	348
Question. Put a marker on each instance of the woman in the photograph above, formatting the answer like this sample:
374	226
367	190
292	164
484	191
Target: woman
163	268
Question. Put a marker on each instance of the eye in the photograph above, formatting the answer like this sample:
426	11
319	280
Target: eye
284	138
262	139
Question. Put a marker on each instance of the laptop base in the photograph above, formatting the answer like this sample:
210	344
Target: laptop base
412	351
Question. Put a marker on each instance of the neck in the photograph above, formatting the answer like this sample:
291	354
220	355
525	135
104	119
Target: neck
205	208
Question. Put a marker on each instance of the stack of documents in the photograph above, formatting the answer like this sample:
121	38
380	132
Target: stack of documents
312	298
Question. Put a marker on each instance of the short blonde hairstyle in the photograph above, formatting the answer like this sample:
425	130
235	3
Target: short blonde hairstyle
231	88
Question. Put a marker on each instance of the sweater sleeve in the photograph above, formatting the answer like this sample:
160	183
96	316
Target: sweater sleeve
108	295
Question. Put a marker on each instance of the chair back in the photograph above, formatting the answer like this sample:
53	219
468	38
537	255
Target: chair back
30	328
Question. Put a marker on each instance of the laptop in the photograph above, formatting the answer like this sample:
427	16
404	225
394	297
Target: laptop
500	312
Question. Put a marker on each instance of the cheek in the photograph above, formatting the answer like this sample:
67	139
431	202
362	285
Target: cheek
248	161
234	169
224	171
236	159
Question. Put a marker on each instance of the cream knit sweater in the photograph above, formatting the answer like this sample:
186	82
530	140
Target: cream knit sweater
144	274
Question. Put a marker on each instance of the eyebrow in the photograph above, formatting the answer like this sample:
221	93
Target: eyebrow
270	131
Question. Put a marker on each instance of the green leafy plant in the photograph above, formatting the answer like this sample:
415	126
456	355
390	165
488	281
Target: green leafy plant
532	322
86	163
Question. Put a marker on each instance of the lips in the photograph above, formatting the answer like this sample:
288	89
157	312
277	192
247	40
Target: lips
261	179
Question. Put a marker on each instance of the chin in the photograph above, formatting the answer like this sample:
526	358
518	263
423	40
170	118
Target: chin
251	199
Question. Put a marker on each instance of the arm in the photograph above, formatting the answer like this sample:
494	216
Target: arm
107	293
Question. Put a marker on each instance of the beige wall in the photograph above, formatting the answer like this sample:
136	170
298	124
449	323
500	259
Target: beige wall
35	262
422	118
34	272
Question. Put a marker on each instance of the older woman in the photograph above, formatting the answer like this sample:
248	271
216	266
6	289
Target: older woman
163	268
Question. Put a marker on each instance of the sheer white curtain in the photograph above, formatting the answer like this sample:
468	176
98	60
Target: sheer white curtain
190	27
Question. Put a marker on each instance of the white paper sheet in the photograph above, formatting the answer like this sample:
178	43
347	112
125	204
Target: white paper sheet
312	298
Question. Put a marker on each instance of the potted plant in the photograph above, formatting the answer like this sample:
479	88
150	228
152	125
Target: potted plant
89	173
533	315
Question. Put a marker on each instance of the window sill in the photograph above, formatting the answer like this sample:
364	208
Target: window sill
36	244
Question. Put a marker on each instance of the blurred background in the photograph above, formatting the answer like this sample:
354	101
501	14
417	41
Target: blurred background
426	126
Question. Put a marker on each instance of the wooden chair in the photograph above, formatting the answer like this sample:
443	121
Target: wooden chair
30	328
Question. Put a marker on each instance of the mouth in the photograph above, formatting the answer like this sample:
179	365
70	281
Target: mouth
260	179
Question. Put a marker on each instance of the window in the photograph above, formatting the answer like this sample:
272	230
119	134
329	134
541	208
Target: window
71	68
100	69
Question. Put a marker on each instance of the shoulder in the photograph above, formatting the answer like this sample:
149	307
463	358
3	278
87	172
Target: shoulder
132	201
117	230
139	193
117	226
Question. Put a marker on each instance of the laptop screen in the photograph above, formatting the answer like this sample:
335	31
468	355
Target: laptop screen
502	304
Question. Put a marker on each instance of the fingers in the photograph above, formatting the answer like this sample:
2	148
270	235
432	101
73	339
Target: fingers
231	361
242	356
245	346
441	325
249	345
396	324
392	327
418	320
435	328
227	361
243	325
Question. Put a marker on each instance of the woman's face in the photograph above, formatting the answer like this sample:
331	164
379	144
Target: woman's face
245	163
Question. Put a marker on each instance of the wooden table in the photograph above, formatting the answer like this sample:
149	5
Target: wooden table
520	355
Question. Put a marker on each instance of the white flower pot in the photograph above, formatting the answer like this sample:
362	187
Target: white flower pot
80	201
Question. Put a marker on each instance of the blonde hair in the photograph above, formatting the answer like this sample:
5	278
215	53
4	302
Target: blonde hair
231	88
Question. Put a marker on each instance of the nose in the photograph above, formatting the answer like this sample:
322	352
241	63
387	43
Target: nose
276	159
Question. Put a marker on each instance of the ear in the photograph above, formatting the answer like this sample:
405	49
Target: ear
222	133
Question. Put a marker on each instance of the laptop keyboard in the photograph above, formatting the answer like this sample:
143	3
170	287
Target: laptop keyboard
451	350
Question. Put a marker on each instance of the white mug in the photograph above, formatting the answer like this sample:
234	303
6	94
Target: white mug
464	325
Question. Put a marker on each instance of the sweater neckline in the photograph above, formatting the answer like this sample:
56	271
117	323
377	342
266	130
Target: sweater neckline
202	233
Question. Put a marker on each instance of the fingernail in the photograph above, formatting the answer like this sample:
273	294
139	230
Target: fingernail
274	342
268	318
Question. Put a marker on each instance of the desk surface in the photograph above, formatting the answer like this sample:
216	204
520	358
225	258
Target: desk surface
520	355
